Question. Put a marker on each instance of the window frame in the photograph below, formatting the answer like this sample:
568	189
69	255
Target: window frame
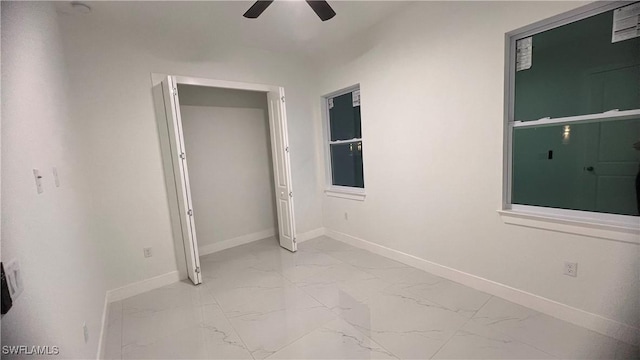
340	191
624	228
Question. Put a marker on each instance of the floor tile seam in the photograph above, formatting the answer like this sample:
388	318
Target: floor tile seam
279	271
365	269
313	297
295	285
525	342
292	285
368	337
475	312
305	334
460	328
196	323
231	324
173	332
469	319
509	335
333	257
391	284
433	301
318	273
168	308
339	316
551	356
451	337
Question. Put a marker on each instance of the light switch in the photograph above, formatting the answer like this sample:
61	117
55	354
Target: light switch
38	178
14	279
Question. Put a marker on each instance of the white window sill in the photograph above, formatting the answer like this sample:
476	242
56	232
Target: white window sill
346	193
628	232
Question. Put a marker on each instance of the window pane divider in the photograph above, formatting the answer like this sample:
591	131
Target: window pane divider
345	141
605	116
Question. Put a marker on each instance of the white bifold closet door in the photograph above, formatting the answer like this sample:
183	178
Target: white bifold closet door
181	176
282	170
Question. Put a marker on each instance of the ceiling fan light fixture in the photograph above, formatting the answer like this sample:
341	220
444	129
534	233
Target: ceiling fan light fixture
257	8
320	7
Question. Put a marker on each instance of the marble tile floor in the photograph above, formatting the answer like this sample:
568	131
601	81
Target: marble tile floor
330	300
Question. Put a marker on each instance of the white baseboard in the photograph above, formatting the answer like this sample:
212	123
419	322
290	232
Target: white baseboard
237	241
171	277
142	286
103	329
301	237
129	291
561	311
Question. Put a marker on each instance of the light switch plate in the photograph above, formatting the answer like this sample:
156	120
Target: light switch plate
38	178
14	279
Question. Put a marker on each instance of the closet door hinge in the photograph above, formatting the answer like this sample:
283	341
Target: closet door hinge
190	212
183	156
282	98
174	91
291	194
286	149
197	269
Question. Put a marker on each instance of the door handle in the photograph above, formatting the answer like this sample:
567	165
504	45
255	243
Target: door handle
589	168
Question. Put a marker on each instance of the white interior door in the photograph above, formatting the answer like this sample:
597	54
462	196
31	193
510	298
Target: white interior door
181	175
282	170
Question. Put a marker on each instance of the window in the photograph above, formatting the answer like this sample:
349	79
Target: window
573	114
344	141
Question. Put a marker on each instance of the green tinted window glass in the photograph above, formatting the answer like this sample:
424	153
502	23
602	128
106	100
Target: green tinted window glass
580	166
577	70
344	118
346	164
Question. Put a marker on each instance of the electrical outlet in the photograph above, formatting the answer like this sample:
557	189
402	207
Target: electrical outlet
147	252
570	269
85	331
346	215
14	279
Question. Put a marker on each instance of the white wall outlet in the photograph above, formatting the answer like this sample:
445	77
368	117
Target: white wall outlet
346	215
38	178
14	279
85	331
56	179
570	269
148	252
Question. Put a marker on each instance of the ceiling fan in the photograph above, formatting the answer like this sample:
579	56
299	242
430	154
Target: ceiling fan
321	8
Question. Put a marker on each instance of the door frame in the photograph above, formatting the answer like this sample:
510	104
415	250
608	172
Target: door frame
280	149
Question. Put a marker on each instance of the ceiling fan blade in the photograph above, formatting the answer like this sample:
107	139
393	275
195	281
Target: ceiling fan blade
322	9
257	8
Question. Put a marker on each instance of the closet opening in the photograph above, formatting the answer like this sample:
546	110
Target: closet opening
227	168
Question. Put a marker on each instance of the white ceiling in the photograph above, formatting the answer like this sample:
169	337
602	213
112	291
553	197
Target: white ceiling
286	26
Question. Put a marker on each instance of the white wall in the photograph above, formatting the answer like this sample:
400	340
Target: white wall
432	126
230	169
47	233
431	81
110	76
